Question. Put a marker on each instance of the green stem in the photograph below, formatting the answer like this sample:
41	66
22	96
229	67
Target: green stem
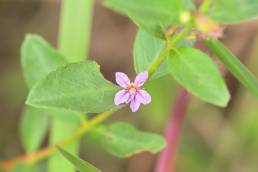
88	125
162	56
182	34
169	46
75	26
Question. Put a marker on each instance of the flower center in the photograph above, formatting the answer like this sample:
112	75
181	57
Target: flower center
131	87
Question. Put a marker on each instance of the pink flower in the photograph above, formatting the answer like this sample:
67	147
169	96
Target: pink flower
132	92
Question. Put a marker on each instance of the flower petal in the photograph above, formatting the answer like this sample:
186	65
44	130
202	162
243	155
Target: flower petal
132	93
141	78
121	97
129	99
122	79
143	97
134	105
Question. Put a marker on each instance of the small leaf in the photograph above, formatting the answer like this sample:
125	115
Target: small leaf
152	16
234	11
33	128
123	140
232	63
77	87
196	71
146	50
80	164
38	59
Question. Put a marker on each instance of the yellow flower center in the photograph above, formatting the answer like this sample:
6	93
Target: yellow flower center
131	86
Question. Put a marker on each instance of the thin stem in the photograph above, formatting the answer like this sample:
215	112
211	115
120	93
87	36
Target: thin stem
169	46
159	60
36	156
167	158
182	34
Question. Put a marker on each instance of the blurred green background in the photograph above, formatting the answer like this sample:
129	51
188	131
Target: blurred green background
214	140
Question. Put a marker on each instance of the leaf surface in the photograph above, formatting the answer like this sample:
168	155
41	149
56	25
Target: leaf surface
123	140
78	87
199	75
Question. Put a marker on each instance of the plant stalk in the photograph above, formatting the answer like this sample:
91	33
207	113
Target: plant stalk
167	159
169	46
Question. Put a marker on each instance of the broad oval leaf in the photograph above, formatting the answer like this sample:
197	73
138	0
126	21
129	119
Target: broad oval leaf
123	140
234	11
38	59
33	128
78	87
146	50
80	164
199	75
152	16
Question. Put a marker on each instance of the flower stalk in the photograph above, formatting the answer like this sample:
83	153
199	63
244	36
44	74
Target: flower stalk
171	44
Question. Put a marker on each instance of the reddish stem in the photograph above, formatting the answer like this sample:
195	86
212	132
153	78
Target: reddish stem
167	159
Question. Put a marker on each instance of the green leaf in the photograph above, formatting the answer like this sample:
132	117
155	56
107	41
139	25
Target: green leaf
75	28
146	50
33	128
234	11
65	115
196	71
78	87
234	65
153	16
123	140
80	164
38	59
